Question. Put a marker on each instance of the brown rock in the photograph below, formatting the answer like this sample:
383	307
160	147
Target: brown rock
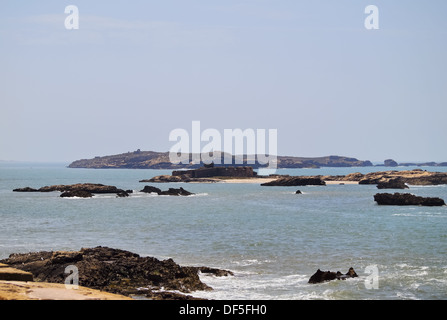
407	199
322	276
112	270
296	181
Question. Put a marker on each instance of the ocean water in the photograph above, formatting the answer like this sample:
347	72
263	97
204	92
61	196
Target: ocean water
271	238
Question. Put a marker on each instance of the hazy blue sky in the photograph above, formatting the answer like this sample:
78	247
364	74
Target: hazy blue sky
135	70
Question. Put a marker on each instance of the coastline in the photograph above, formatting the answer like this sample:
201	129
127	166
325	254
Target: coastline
265	180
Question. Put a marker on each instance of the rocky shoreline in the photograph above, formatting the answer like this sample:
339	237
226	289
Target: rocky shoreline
88	190
83	190
117	271
391	179
383	179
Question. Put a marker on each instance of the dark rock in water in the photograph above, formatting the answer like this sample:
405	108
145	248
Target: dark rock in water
392	183
89	187
212	171
322	276
406	199
115	271
122	194
77	193
83	190
26	189
296	181
170	192
150	189
176	192
298	192
216	272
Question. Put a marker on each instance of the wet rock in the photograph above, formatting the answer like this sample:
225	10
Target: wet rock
216	272
122	194
115	271
26	189
407	199
322	276
151	189
77	193
170	192
88	187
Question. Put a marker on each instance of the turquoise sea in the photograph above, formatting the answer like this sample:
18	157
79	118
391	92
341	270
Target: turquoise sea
272	239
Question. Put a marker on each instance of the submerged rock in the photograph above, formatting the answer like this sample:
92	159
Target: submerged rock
322	276
407	199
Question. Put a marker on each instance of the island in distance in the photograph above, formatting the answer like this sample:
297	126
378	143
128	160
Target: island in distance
160	160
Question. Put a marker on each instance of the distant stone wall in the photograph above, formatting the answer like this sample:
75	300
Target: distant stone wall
217	172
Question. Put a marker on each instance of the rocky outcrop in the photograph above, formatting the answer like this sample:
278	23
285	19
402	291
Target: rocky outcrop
181	178
391	183
322	276
26	189
165	179
407	199
411	177
170	192
151	189
82	190
296	181
77	193
208	172
176	192
115	271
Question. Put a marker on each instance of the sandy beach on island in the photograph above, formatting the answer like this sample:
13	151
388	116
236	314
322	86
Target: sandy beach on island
247	180
341	182
264	180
